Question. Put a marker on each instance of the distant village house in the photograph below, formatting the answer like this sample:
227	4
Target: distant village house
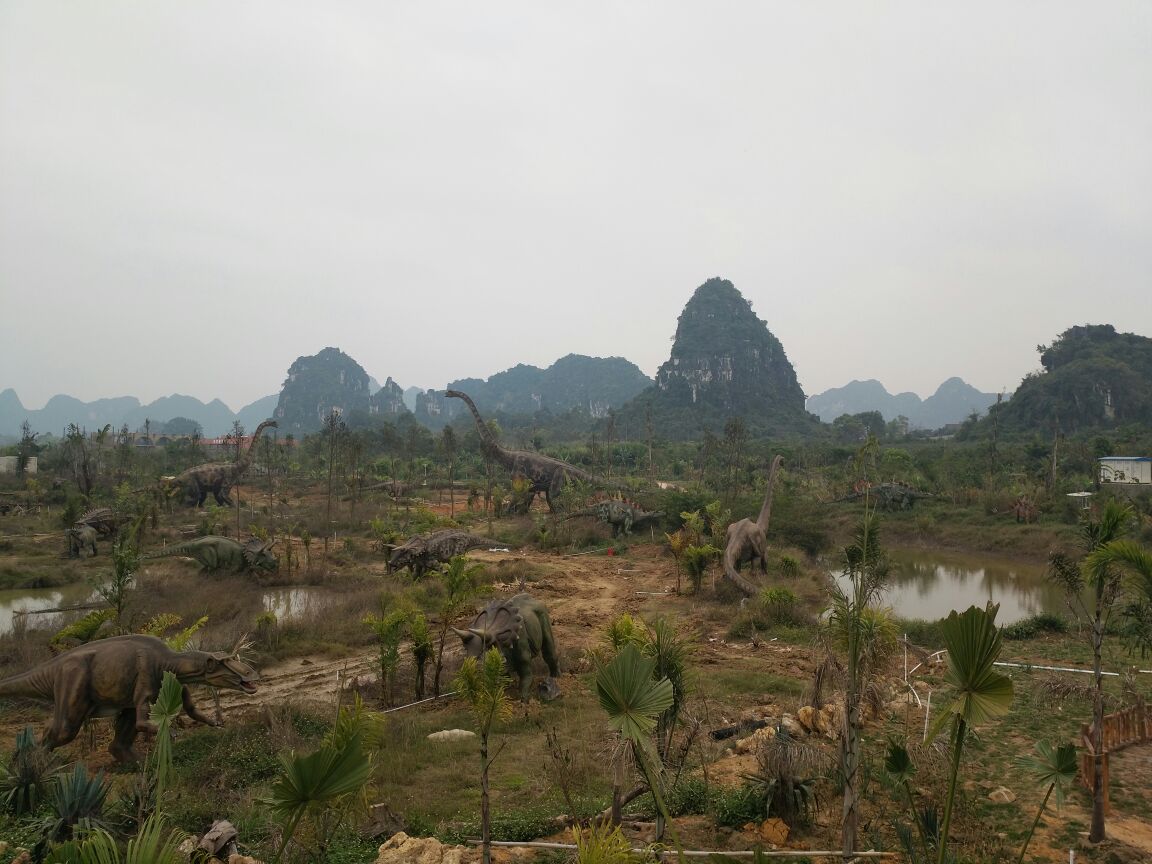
1129	470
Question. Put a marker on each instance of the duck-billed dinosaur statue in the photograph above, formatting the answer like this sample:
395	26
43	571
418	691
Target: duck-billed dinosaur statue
425	551
120	677
547	475
746	541
215	477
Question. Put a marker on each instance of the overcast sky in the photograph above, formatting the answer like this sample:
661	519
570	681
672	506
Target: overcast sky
193	194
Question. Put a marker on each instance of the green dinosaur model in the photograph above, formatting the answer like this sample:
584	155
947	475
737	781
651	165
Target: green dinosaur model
521	629
621	515
120	677
223	554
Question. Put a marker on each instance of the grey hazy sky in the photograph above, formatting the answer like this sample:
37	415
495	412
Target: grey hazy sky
193	194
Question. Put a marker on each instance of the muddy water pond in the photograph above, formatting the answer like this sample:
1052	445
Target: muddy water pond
928	584
15	601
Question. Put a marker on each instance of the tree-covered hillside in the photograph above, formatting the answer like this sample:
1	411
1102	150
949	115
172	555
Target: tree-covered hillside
1093	377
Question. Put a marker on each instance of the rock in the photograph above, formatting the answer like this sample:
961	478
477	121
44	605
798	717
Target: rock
402	849
830	721
237	858
752	743
1002	795
773	831
807	718
451	735
792	726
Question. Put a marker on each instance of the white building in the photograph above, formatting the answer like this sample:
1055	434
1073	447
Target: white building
9	464
1126	469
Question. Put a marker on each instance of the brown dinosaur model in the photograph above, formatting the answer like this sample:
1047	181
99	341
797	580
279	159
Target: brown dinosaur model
120	677
215	477
546	474
425	551
746	541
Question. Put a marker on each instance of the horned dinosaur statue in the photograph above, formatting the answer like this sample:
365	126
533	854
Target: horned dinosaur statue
547	475
120	677
425	551
521	629
223	554
746	540
621	515
215	477
81	537
889	496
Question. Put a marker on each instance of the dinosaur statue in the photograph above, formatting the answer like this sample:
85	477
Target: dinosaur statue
889	496
1024	510
81	537
215	477
120	677
105	520
621	515
424	551
223	554
746	540
520	628
546	474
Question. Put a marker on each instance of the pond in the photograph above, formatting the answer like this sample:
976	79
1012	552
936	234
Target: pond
289	603
928	584
17	600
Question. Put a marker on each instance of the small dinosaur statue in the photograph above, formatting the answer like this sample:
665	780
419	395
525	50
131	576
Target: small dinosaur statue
424	551
215	477
80	537
546	474
746	540
105	520
521	629
890	496
223	554
120	677
621	515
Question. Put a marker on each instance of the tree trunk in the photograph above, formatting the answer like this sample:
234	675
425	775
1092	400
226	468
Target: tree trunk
850	816
485	826
1096	834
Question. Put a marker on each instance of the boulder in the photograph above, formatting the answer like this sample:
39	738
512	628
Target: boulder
792	726
830	721
752	743
451	735
1002	795
806	716
773	831
402	849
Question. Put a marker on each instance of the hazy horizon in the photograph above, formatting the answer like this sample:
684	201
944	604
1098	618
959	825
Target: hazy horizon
193	195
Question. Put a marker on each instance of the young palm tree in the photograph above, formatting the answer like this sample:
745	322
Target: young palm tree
863	636
634	700
1056	767
1104	581
484	688
981	693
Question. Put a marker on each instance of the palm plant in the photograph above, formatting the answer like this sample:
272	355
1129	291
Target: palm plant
1056	767
864	636
422	648
671	651
1099	574
164	711
155	844
459	577
388	628
24	781
980	692
77	804
785	781
634	700
484	688
323	786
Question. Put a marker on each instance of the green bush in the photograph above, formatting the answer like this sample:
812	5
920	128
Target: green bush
1028	628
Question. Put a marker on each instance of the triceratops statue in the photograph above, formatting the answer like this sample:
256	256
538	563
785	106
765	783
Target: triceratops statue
520	628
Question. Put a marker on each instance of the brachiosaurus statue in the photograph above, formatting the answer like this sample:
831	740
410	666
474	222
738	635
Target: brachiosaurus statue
745	540
546	474
215	477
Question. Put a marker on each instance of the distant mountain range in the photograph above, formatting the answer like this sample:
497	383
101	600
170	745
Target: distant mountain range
215	418
953	402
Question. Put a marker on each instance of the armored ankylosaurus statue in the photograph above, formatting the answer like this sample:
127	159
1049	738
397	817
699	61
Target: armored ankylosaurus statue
425	551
